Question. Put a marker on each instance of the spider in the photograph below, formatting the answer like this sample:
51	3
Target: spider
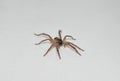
57	42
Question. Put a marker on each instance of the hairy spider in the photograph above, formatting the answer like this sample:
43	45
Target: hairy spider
57	42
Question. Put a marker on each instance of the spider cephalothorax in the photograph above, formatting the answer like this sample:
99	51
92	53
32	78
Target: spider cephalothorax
57	42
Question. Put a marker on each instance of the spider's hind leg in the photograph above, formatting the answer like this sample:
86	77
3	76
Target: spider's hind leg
58	52
74	49
76	46
68	36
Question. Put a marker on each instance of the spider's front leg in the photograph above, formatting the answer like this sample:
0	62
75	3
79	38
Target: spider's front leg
45	35
42	41
48	50
59	33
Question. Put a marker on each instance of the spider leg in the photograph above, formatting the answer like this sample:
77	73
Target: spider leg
41	41
44	35
58	52
74	49
59	32
76	46
69	37
48	50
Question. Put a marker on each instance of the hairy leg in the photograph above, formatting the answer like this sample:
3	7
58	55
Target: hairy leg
58	52
69	37
59	33
42	41
48	50
76	46
44	35
74	49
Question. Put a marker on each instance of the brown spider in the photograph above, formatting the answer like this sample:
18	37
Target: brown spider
57	42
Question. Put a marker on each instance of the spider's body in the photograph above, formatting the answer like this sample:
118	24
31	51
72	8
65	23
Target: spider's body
57	42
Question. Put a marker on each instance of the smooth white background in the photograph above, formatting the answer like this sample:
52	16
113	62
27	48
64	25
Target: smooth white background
94	23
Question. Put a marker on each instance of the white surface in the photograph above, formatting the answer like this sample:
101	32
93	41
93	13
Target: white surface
94	23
